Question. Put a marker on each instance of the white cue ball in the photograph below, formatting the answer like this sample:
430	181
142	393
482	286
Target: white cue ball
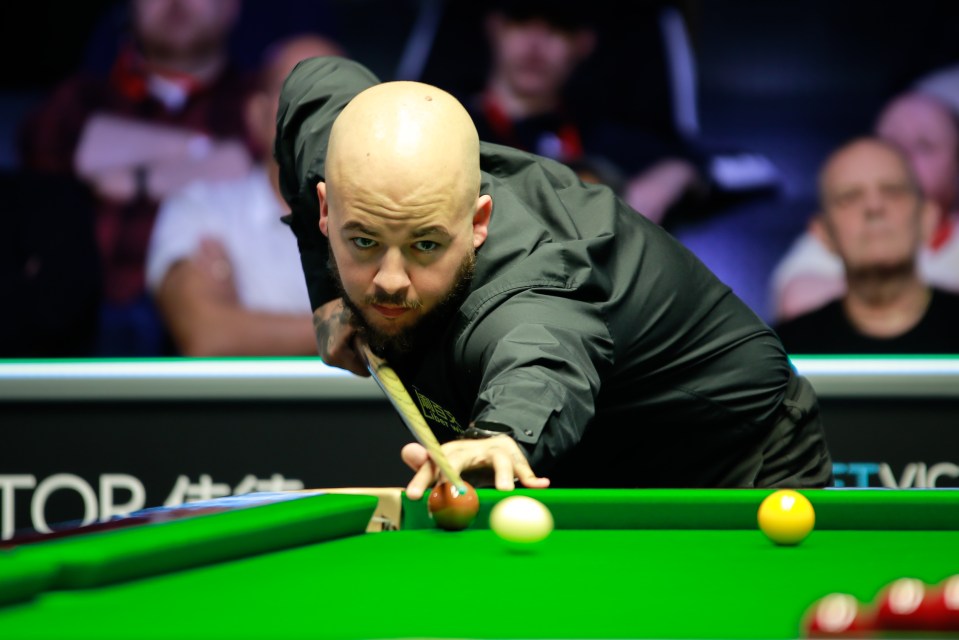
521	520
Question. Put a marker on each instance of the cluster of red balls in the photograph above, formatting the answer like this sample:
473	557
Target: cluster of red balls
906	605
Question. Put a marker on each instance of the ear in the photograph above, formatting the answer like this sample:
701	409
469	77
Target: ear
324	208
481	218
819	228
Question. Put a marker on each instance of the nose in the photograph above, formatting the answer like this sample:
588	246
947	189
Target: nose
392	278
875	203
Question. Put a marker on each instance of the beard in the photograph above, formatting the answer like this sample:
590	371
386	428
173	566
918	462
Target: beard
400	345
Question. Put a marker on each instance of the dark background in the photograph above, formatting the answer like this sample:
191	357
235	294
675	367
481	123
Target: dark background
789	80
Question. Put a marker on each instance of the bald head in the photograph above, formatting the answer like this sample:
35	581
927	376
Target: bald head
861	161
404	148
874	215
926	130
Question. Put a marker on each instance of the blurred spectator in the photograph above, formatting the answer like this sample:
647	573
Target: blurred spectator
810	274
223	267
943	83
876	218
164	115
49	268
535	47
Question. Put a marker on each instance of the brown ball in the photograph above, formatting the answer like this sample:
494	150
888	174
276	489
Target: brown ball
450	509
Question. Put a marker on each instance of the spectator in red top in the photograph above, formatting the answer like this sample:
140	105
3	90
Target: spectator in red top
167	113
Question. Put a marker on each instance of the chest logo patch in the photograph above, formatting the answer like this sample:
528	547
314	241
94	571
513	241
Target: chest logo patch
435	413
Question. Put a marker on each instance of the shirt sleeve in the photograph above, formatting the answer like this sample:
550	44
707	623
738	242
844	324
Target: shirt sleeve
313	95
182	220
543	355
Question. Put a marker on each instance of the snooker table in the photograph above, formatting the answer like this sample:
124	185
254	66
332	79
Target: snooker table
638	563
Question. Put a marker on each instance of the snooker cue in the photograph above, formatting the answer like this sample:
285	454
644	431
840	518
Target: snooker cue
400	398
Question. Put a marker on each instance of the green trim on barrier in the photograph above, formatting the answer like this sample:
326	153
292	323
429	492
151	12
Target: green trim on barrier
840	509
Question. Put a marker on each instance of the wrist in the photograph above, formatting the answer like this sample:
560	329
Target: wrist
480	430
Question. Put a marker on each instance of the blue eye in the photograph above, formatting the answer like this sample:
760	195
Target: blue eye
363	243
426	246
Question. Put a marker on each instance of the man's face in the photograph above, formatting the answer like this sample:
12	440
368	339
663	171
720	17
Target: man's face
873	212
927	135
398	269
401	341
534	57
183	28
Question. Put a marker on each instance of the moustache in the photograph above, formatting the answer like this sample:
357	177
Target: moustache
395	300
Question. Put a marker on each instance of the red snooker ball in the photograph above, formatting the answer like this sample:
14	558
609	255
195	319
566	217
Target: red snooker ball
904	604
839	615
911	605
452	509
945	598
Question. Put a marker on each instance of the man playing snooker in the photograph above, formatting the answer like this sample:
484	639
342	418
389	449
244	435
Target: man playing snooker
543	326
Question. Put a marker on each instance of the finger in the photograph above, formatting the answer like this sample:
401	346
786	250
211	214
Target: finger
521	470
350	353
338	352
526	476
414	455
355	366
348	361
422	480
531	480
502	470
416	458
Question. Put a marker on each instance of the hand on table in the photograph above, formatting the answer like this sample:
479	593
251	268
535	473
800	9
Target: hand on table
499	455
334	337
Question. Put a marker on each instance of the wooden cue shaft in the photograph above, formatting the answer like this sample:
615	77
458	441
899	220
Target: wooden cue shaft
393	387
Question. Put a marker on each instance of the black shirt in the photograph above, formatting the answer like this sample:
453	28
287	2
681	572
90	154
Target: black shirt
828	330
614	356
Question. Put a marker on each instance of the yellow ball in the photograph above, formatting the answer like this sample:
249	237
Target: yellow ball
521	520
786	517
